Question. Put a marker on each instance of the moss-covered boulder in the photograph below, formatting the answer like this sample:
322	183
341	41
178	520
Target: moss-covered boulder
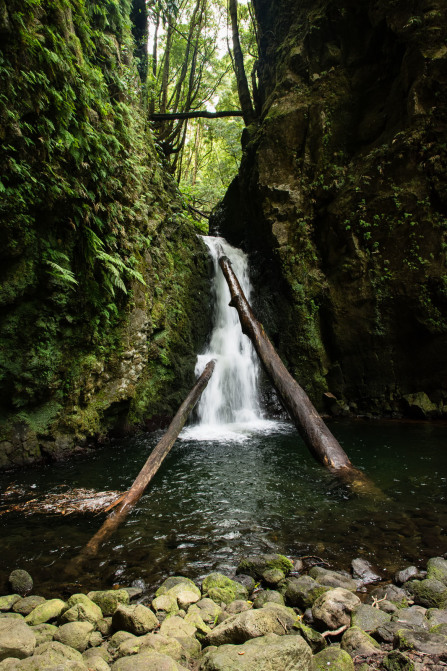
355	642
27	604
267	653
17	639
46	611
421	641
437	569
109	600
430	593
332	578
74	634
303	591
220	588
244	626
174	581
333	658
8	601
82	609
369	618
257	565
313	638
397	661
267	595
137	619
333	609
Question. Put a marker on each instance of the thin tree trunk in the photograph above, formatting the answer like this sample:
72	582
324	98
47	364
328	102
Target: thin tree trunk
126	502
313	430
241	77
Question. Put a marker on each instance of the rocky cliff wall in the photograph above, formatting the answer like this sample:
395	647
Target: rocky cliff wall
104	296
343	194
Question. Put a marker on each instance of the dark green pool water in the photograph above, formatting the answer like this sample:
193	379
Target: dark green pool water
214	501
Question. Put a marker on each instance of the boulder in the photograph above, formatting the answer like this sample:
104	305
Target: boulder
397	661
20	582
257	565
273	576
247	581
8	601
302	592
220	588
137	619
398	596
171	582
431	593
95	639
369	618
92	653
400	577
46	611
437	569
165	606
54	653
411	617
190	646
363	572
116	640
165	645
357	642
149	660
186	597
82	609
330	578
436	616
17	639
332	658
109	600
267	653
266	595
244	626
44	632
194	618
421	641
313	638
387	632
175	626
238	606
74	634
97	664
333	609
105	626
25	605
209	611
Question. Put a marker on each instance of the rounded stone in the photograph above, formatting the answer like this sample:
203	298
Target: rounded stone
20	582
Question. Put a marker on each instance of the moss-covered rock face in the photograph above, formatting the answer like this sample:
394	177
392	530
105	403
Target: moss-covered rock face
343	190
103	278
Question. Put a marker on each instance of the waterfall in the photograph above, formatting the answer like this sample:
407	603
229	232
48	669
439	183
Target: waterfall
230	403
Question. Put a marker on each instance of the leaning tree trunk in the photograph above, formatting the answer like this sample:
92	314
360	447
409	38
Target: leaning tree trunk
126	502
313	430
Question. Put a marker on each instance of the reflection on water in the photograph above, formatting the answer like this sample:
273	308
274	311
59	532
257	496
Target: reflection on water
247	491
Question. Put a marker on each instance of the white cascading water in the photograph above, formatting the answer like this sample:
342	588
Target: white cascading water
230	403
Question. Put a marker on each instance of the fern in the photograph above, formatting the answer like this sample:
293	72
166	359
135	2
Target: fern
62	274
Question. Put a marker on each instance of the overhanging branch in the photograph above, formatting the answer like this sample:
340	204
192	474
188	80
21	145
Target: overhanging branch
194	115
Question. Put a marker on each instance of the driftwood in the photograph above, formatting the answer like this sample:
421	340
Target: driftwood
125	503
313	430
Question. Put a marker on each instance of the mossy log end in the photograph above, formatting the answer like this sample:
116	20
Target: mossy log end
323	445
125	503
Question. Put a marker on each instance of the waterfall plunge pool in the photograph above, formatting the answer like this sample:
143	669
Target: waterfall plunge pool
251	491
235	484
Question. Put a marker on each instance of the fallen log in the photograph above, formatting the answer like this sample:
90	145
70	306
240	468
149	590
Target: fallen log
311	427
125	503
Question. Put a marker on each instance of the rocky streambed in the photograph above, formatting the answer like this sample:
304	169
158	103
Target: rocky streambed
274	614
